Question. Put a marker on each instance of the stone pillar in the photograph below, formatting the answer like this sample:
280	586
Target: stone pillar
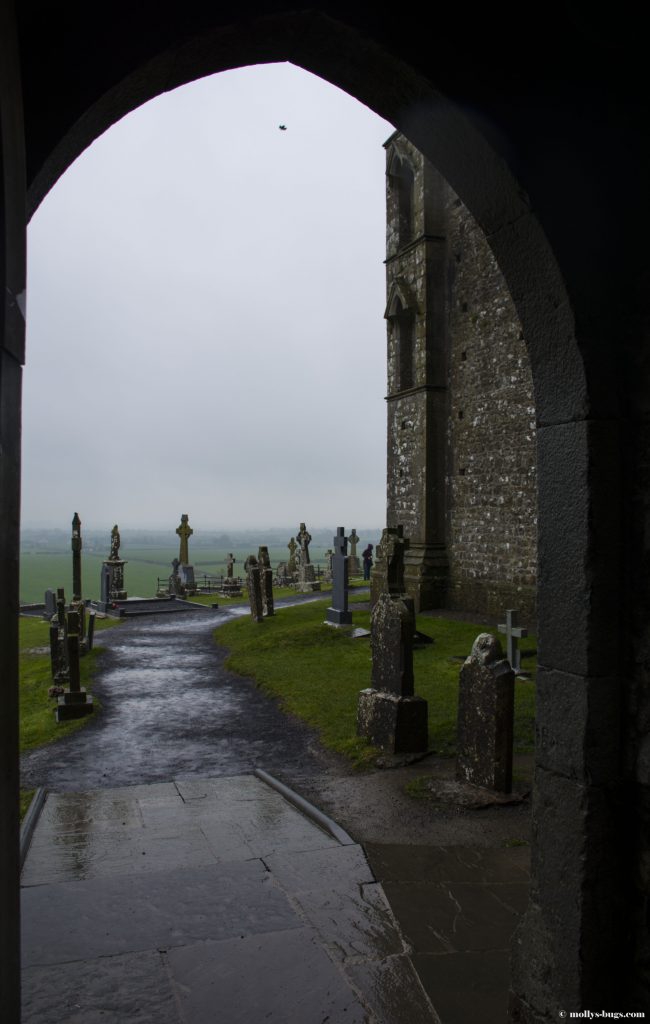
338	614
389	714
74	702
76	557
254	586
266	580
486	702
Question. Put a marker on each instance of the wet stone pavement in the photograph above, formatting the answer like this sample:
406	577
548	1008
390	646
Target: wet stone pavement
202	901
170	709
165	884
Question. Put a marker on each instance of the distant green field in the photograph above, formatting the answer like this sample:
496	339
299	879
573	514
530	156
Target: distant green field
42	570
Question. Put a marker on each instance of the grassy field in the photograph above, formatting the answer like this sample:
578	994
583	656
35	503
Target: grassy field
317	672
38	725
49	569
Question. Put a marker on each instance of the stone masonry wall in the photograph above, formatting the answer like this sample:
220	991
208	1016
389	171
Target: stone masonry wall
475	461
491	458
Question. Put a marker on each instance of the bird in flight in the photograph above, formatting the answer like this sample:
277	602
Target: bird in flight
282	127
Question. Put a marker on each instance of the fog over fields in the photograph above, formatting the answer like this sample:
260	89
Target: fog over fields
205	328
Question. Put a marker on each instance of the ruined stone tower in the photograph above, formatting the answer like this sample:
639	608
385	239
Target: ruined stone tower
461	450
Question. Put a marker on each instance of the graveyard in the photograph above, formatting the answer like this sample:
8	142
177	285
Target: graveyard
259	704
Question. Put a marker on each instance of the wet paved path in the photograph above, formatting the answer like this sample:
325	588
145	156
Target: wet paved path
203	901
171	710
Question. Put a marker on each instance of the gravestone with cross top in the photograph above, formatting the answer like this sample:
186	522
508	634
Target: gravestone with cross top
513	633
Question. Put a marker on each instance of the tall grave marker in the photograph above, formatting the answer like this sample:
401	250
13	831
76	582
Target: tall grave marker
254	585
306	574
112	579
76	557
338	614
185	570
389	713
354	567
266	579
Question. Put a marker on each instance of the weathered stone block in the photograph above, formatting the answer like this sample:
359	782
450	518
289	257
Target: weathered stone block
485	717
399	725
392	629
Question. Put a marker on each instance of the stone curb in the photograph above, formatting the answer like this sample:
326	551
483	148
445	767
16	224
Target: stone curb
307	809
28	823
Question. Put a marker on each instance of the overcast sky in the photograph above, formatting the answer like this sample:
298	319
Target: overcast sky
205	314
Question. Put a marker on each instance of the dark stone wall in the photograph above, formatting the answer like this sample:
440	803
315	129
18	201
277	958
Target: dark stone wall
461	475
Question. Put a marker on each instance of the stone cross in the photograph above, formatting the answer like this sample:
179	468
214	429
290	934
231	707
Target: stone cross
291	564
304	538
486	700
184	531
230	561
338	614
513	633
115	545
76	557
254	585
353	540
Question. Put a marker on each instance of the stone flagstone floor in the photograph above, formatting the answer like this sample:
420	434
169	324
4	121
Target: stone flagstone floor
205	900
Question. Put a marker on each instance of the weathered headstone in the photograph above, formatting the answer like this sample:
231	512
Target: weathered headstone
58	655
389	714
513	633
485	717
230	586
306	575
254	587
73	702
266	579
90	637
291	564
76	557
50	604
388	571
354	566
338	614
327	575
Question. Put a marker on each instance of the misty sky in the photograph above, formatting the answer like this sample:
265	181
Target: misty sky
205	327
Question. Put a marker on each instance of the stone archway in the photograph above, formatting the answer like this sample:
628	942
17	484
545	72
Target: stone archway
567	944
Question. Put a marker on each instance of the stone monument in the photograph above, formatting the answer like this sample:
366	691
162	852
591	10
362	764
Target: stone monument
388	571
292	568
230	586
389	714
76	557
485	717
354	566
266	579
513	633
306	575
254	587
327	574
338	614
185	569
73	702
112	578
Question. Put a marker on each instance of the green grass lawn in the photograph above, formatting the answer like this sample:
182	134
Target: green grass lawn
38	725
317	671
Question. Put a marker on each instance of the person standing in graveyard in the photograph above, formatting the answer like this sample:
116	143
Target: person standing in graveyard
367	561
